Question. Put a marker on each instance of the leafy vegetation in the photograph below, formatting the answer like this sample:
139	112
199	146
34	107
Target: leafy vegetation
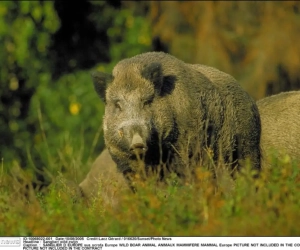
50	116
53	95
25	30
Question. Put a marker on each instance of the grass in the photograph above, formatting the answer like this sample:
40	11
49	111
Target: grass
267	206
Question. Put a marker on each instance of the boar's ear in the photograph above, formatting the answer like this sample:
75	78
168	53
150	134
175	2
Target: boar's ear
153	72
101	80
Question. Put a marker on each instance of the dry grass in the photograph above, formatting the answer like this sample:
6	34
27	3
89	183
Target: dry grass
268	206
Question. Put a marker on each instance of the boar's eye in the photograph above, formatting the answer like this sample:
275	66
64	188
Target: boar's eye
118	105
147	103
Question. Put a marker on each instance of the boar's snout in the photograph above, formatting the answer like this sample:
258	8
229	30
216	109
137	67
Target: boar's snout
138	145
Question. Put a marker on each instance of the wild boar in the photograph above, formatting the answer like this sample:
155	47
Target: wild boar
280	131
280	123
101	179
163	115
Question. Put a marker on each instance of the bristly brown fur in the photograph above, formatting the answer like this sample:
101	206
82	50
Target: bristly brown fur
280	122
179	112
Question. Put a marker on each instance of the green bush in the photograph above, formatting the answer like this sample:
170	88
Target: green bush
25	32
40	116
69	116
